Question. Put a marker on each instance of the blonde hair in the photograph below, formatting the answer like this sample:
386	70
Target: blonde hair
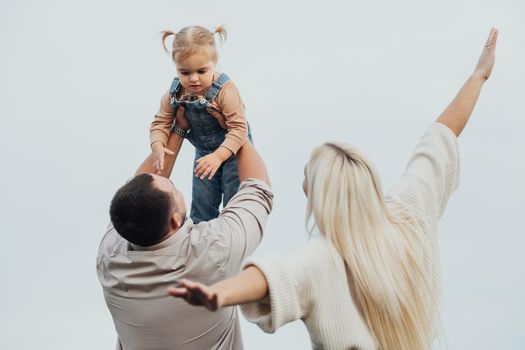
192	39
383	247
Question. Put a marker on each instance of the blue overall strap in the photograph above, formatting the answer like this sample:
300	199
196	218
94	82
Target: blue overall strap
174	86
216	86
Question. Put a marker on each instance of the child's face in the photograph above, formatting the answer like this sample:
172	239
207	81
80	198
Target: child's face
196	72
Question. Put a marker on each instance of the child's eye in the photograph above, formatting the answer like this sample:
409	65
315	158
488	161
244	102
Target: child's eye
185	73
202	71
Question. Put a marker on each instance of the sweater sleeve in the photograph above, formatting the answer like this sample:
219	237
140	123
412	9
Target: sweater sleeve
230	103
160	128
288	297
432	174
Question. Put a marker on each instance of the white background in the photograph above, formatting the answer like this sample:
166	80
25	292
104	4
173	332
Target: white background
81	81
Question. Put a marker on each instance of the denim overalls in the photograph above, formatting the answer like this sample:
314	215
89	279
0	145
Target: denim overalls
207	135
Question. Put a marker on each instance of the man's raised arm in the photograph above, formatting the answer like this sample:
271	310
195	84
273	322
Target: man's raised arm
250	164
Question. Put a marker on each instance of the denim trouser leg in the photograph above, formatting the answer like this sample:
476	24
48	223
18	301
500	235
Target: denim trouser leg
230	179
206	195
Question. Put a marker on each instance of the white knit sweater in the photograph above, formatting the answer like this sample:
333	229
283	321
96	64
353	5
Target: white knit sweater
311	284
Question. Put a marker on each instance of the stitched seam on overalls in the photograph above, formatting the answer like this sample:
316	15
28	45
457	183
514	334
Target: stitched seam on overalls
216	87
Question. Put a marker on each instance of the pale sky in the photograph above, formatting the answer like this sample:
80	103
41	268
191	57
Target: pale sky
81	81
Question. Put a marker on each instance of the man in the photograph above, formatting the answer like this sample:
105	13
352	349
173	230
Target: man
151	244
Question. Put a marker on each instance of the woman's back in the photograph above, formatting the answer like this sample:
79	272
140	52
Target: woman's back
312	284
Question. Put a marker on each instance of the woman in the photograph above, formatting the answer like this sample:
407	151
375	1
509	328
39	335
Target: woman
371	278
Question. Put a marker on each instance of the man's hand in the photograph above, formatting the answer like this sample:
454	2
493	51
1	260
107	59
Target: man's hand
158	151
220	118
180	119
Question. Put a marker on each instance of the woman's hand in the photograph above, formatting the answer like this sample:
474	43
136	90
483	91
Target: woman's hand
158	151
196	294
487	58
458	112
247	287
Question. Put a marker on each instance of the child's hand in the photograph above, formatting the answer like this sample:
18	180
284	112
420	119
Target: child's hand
208	166
158	151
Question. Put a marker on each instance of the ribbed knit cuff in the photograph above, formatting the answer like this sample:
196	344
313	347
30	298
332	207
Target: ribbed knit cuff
283	305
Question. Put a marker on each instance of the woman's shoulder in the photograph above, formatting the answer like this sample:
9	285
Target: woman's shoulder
431	175
319	256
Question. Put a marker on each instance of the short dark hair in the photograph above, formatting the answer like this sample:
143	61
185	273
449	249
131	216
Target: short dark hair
140	212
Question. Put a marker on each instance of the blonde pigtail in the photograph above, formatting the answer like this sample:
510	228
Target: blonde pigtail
221	31
190	39
165	35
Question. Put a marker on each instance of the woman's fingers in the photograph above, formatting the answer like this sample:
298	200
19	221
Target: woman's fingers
214	302
487	57
178	292
187	283
195	293
192	287
490	45
492	39
201	294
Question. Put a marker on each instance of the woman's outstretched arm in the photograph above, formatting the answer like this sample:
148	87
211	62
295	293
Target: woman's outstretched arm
458	112
248	286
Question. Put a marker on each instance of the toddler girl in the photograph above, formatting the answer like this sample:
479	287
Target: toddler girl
199	88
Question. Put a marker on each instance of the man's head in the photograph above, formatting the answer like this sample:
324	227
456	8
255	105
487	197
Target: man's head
146	209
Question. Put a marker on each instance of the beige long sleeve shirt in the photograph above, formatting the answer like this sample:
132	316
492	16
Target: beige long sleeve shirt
312	285
135	279
228	102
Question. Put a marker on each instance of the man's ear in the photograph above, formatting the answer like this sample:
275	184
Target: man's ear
176	221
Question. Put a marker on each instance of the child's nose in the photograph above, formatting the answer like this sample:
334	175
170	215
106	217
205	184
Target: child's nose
194	77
